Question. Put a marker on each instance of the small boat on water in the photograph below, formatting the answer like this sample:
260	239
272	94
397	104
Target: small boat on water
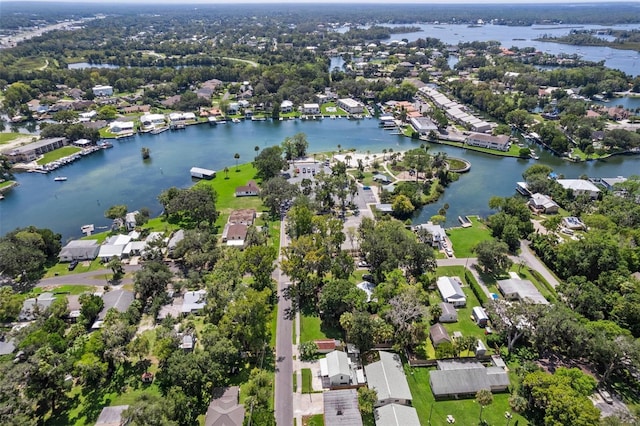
60	178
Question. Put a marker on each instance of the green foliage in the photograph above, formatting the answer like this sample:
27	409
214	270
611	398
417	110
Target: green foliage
269	162
10	304
308	350
367	399
492	257
190	207
25	252
475	287
118	211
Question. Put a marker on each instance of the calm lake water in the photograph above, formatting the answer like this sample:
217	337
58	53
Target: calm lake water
627	61
119	176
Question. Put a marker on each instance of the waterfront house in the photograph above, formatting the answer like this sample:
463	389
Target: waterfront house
341	408
310	109
33	150
351	105
438	335
286	106
543	204
451	291
130	220
225	409
483	140
423	125
580	187
152	120
113	246
521	290
437	233
121	127
449	313
388	379
249	190
460	379
79	250
396	415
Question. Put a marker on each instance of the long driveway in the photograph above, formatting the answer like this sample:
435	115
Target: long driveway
534	263
284	347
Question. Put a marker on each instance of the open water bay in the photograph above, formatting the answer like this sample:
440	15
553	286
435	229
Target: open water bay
120	176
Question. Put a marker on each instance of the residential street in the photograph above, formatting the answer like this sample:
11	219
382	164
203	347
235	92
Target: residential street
284	348
532	260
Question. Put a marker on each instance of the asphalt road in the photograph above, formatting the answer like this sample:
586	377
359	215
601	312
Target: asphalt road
284	348
530	259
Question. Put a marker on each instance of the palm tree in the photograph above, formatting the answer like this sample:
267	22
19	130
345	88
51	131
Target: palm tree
347	158
237	157
256	149
484	397
339	148
226	172
384	154
146	152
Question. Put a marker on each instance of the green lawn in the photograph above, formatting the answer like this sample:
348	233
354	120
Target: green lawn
67	289
57	154
465	324
466	411
312	328
315	420
8	137
62	269
464	239
225	186
7	183
338	111
306	380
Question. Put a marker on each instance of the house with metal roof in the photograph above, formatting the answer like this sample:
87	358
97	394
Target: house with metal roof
336	369
522	290
33	306
451	291
79	250
543	204
388	379
341	408
449	313
120	300
580	187
396	415
455	379
194	301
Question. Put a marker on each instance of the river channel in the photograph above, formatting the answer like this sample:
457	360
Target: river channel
120	176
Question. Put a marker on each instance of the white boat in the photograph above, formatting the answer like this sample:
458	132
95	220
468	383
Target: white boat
60	178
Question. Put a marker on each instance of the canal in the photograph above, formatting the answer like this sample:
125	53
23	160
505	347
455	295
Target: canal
120	176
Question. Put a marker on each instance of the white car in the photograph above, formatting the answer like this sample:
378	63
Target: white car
449	252
606	396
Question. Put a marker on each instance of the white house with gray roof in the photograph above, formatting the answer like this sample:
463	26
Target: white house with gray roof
451	291
396	415
387	378
79	250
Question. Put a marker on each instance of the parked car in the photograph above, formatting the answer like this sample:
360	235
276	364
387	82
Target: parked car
366	188
368	277
363	264
73	265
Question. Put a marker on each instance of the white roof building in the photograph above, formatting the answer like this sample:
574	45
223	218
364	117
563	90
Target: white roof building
396	415
580	187
451	291
387	378
523	290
